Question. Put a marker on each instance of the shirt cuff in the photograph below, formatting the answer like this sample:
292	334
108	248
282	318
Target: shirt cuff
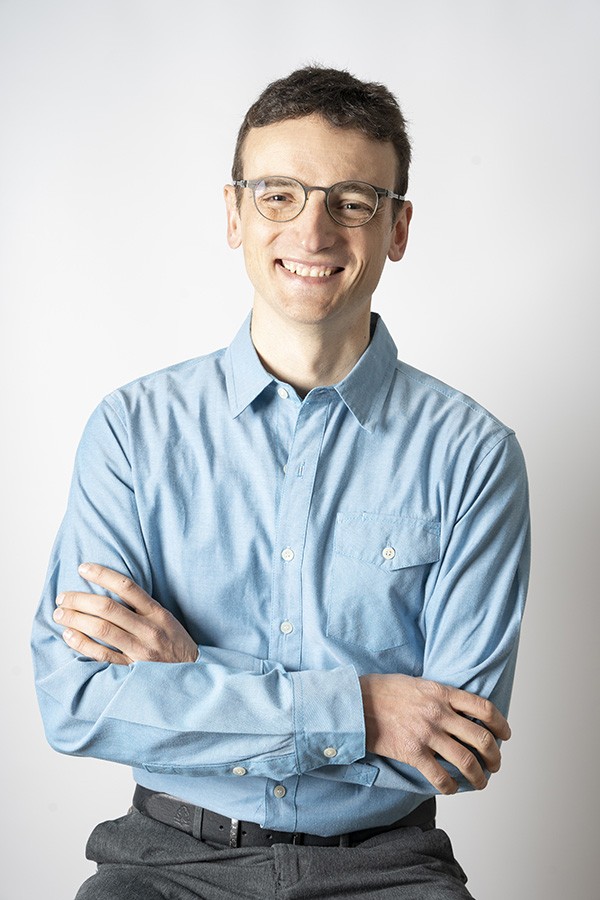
329	721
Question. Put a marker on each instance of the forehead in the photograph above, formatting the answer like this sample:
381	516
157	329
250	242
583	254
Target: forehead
316	152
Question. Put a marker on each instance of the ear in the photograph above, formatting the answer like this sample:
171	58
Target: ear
234	224
399	236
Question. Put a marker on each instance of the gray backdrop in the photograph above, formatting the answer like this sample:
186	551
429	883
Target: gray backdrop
117	126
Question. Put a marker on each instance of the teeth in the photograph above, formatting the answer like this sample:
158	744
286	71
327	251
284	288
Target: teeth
304	271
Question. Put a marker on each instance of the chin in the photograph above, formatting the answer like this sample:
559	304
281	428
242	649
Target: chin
309	313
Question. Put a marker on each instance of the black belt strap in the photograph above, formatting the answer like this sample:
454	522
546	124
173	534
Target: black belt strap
215	828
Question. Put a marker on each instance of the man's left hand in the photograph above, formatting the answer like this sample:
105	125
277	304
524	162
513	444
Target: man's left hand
141	630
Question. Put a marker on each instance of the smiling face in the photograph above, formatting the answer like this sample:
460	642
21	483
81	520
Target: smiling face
311	270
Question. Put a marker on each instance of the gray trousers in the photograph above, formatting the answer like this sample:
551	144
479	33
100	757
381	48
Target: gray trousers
140	859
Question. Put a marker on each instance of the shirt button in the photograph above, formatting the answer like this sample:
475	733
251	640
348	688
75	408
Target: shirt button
239	770
286	627
287	554
388	553
282	393
279	791
285	468
329	752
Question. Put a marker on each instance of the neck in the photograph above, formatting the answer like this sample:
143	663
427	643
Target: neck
309	355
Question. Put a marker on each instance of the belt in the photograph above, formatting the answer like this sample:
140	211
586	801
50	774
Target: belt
210	826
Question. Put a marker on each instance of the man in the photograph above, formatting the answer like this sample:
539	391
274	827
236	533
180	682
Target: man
320	552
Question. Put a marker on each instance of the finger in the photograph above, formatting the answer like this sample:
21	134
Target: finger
101	606
477	737
435	773
97	629
479	708
119	584
86	647
461	757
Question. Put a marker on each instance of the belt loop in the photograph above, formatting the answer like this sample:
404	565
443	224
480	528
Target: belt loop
344	840
197	822
234	833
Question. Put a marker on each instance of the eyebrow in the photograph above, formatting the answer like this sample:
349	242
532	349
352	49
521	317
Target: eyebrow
354	185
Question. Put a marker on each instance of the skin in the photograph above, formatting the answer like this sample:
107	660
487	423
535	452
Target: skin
309	331
143	630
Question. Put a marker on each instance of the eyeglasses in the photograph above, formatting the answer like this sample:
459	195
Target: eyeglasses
349	203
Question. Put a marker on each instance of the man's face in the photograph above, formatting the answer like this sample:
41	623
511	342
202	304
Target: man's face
286	260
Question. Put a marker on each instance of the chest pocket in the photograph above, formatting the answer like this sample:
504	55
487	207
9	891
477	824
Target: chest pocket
378	578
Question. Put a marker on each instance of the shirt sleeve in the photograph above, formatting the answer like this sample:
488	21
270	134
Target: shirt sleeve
472	615
205	718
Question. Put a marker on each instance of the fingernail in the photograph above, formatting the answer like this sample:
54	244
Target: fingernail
84	567
67	634
60	599
58	614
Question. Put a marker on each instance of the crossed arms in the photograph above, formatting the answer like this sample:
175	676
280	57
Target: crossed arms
152	703
411	720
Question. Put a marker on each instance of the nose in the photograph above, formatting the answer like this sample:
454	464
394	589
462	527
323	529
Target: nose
315	228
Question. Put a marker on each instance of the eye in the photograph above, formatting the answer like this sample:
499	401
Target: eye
353	202
276	198
278	192
354	208
354	205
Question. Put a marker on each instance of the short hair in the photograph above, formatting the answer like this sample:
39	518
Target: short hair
342	100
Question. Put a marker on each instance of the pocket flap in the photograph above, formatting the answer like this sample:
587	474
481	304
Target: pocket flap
389	542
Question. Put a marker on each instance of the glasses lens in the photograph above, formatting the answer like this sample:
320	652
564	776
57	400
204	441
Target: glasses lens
352	202
279	199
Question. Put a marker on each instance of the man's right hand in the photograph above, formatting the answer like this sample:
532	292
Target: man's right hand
411	720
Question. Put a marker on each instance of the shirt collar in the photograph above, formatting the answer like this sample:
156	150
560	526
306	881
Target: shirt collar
366	386
246	376
363	390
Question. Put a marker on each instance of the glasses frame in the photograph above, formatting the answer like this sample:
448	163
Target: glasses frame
253	183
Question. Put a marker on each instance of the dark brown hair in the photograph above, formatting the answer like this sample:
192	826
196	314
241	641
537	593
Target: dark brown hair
343	100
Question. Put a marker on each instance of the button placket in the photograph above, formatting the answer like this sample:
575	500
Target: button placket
292	516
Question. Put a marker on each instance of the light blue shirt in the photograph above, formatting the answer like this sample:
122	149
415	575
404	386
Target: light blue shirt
378	525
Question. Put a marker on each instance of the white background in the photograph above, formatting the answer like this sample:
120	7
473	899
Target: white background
117	126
